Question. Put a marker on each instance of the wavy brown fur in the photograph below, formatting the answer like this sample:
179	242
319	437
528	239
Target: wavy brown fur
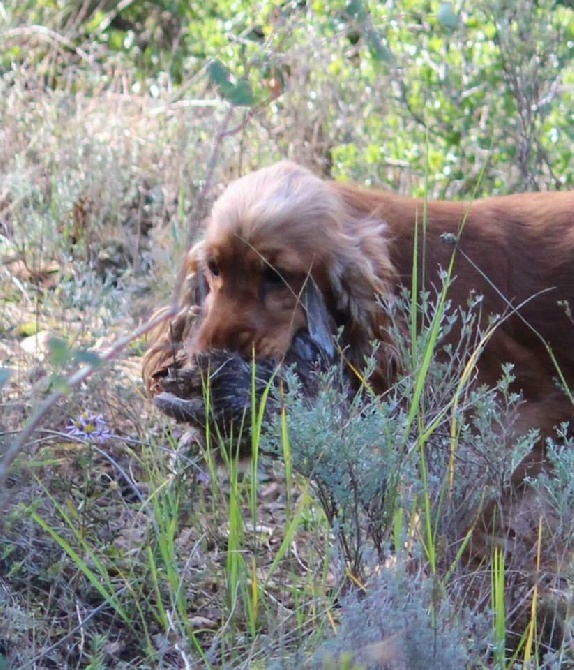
357	246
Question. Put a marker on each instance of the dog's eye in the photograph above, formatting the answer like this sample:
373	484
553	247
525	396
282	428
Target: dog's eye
213	267
273	278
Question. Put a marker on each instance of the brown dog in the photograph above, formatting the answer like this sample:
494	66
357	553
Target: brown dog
286	253
282	246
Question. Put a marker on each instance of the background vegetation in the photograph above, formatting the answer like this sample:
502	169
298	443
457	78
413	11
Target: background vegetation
120	122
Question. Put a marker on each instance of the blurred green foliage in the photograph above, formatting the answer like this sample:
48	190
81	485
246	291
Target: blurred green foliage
454	99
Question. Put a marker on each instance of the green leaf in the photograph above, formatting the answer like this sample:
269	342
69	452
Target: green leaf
240	95
356	10
59	353
88	357
378	50
95	22
218	73
5	374
116	40
446	16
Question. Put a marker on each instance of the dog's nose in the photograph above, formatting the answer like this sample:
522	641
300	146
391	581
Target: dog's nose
236	337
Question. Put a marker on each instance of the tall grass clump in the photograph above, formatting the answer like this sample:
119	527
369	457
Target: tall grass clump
373	466
403	494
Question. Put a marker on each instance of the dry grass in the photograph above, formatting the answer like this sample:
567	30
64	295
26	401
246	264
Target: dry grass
134	551
114	553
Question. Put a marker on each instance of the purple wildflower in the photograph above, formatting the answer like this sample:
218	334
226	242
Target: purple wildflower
91	427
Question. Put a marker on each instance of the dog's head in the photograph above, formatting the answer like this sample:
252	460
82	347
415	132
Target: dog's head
278	258
284	252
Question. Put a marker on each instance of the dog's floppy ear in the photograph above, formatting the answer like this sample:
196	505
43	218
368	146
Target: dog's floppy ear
319	322
201	287
193	284
361	278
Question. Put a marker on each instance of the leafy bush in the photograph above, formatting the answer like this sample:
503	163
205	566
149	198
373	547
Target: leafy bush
400	619
427	97
402	486
384	467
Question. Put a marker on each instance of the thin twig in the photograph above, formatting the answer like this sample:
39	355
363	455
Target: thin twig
48	35
221	134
